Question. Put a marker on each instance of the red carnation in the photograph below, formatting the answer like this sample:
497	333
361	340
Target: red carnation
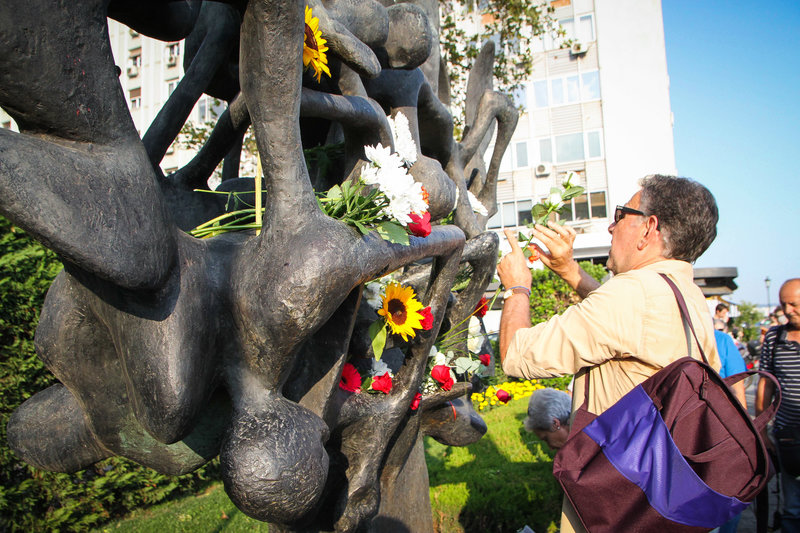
482	307
420	224
415	401
427	318
441	373
351	379
485	359
503	396
382	383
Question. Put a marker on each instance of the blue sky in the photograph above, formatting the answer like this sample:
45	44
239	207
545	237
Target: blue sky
734	72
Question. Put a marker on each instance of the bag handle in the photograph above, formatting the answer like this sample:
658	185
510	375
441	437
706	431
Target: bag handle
685	317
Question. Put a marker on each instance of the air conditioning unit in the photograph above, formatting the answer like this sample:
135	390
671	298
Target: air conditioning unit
544	169
172	61
133	71
577	48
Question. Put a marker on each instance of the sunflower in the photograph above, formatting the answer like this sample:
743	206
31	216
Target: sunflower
314	47
401	310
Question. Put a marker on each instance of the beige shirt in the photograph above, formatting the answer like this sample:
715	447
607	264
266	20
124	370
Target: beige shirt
622	333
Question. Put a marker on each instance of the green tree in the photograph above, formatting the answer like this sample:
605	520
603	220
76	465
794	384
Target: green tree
747	321
550	295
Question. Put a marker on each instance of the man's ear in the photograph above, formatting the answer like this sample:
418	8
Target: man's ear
651	231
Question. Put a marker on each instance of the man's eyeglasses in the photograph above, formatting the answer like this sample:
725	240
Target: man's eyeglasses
622	210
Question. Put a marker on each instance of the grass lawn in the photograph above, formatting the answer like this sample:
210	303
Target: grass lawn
499	484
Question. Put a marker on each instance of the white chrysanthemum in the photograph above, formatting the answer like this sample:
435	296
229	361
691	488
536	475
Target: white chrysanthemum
382	157
369	174
403	142
477	206
373	294
475	338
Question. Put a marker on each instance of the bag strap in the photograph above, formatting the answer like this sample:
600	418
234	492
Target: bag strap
685	317
687	326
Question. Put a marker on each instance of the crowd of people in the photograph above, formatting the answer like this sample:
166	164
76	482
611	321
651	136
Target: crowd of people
626	329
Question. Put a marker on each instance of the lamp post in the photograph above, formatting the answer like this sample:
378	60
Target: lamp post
766	283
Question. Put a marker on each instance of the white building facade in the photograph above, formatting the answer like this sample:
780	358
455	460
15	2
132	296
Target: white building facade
599	108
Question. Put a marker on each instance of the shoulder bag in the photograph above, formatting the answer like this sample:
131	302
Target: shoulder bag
678	453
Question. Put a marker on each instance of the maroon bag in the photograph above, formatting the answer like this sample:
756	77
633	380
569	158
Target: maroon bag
677	453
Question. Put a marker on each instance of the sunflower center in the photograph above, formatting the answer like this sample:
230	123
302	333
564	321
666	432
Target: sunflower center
398	311
311	42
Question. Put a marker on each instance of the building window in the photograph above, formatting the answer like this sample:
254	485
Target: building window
520	96
583	32
511	214
569	147
593	145
522	154
135	98
585	207
171	85
566	89
173	51
135	60
545	151
590	86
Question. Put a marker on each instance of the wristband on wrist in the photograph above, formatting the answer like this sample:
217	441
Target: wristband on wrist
517	289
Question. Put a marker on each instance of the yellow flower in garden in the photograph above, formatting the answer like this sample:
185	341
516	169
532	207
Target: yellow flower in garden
401	310
314	47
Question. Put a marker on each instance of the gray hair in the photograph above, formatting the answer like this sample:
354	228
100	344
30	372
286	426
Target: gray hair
687	214
544	406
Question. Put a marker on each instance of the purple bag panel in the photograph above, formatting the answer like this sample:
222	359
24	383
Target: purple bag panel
638	444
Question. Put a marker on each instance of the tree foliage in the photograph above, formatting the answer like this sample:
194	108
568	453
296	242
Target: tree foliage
747	321
550	295
513	25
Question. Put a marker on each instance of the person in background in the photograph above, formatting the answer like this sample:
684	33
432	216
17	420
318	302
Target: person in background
721	312
548	416
732	363
780	355
627	329
730	358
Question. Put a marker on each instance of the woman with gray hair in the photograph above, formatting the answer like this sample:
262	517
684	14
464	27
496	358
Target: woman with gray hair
548	416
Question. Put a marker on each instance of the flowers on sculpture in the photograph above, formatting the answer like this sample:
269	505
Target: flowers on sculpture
420	225
476	204
427	318
314	47
415	402
385	196
482	307
443	376
351	379
382	383
401	310
402	314
403	142
485	359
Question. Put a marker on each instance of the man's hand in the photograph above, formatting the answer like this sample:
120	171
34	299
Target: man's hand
513	268
559	241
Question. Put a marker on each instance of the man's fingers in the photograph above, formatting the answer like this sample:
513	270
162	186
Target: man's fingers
512	240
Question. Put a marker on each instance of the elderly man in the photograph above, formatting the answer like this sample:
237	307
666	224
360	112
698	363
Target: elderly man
628	328
780	355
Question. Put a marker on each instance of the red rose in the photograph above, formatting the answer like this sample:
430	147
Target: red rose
485	359
382	383
427	318
503	396
351	379
415	401
441	373
482	307
420	224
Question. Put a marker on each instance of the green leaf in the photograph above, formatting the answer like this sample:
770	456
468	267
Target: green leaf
521	237
377	332
394	233
361	227
464	365
538	211
334	193
572	192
